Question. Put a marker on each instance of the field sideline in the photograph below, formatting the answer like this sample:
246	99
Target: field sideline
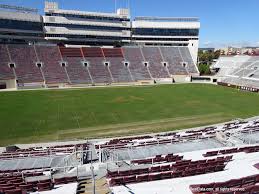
49	115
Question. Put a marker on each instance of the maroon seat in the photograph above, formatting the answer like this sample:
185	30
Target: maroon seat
219	168
210	169
158	159
234	183
165	168
177	174
142	178
166	175
14	191
129	179
247	181
26	187
45	186
116	181
124	173
200	171
71	179
155	169
6	188
34	183
112	174
134	172
153	177
255	189
60	181
143	170
228	158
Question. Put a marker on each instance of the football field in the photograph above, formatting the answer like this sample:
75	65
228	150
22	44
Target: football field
54	115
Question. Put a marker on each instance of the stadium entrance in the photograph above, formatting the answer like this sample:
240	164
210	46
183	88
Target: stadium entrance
2	85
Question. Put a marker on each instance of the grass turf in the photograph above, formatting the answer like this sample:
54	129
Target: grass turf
49	115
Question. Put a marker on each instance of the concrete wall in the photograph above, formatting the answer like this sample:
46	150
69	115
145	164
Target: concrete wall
10	84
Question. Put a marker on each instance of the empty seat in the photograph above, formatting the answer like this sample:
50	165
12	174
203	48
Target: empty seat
59	181
14	191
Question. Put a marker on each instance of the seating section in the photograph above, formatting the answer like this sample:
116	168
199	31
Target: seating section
174	59
119	71
15	183
53	71
89	65
5	71
238	71
153	57
158	159
25	60
95	58
36	158
186	55
47	151
136	66
181	168
247	185
76	70
247	149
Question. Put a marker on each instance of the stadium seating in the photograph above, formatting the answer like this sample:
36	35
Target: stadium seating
247	149
91	65
174	59
15	182
5	71
136	66
51	58
25	60
238	71
181	168
186	55
76	70
153	57
97	68
119	71
246	185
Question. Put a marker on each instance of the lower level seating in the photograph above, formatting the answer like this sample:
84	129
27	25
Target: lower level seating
245	185
182	168
54	65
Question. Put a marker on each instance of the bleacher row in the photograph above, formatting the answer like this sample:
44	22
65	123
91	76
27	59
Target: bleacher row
15	183
247	149
89	65
180	168
245	185
15	160
26	168
178	137
158	159
48	151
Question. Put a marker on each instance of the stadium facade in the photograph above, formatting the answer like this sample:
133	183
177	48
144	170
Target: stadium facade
87	28
74	27
19	25
79	47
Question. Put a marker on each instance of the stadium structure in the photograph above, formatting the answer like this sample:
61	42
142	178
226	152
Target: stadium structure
199	160
239	71
69	48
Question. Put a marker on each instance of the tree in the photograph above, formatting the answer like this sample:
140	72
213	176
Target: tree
204	69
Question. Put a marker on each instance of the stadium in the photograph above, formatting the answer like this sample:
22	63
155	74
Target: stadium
106	103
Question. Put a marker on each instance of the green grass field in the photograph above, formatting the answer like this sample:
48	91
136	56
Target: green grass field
50	115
